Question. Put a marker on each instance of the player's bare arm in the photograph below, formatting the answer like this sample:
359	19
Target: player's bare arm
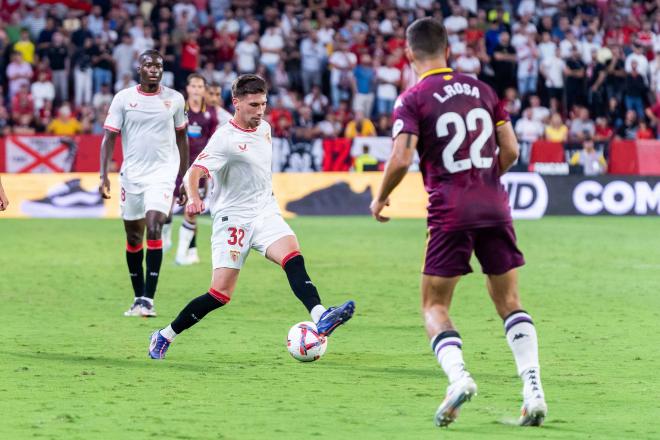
509	149
194	205
107	148
396	168
4	202
184	151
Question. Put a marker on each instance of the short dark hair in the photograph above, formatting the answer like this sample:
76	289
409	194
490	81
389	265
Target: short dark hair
427	37
196	76
214	85
248	84
150	53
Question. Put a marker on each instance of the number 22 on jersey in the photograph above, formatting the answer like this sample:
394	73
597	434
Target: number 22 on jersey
462	126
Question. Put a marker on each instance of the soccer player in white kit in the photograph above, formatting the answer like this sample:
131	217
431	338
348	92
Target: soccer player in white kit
245	216
152	122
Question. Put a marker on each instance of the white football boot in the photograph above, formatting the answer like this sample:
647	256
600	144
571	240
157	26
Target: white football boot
193	257
534	409
135	309
458	392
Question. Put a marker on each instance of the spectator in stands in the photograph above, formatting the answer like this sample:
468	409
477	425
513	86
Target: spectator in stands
246	54
637	61
556	131
82	73
597	75
42	90
388	78
616	75
168	51
469	63
102	63
547	47
364	85
102	98
539	112
64	124
19	74
317	102
45	38
82	33
654	68
271	45
313	58
644	131
342	62
24	125
384	126
504	64
512	104
226	79
365	162
635	90
45	116
575	72
359	126
528	131
582	127
592	161
124	56
329	127
614	113
628	130
528	66
604	131
25	47
552	68
22	104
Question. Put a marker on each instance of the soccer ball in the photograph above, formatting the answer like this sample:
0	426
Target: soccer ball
304	343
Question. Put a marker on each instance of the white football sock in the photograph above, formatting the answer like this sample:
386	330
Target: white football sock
186	234
447	347
168	333
166	235
521	336
316	313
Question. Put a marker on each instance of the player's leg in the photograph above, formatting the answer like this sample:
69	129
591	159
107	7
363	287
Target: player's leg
228	253
275	239
134	256
219	294
447	258
499	256
187	232
132	212
155	221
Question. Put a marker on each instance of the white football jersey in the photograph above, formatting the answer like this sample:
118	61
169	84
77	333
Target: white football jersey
239	162
147	123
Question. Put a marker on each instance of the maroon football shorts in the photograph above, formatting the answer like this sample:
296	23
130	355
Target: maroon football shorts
448	253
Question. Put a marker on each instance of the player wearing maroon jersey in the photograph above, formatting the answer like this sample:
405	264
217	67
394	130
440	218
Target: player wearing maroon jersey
456	124
202	122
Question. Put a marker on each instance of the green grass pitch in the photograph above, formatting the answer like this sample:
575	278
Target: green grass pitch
72	367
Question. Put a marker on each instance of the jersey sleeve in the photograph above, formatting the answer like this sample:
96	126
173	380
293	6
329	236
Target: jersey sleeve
115	118
214	156
180	116
405	116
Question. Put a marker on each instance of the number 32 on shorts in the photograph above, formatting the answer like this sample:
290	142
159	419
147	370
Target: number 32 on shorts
236	236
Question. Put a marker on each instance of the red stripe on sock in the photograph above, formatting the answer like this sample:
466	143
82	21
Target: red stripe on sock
288	257
154	244
133	249
219	296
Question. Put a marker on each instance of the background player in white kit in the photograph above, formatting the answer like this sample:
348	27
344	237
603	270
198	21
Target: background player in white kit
152	122
245	216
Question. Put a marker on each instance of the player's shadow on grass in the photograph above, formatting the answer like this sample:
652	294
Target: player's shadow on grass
100	361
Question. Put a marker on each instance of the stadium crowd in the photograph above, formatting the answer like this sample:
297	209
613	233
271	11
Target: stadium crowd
568	71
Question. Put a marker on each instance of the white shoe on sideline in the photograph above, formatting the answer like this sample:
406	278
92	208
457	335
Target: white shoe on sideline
458	392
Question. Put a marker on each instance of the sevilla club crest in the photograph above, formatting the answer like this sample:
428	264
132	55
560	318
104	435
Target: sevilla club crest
234	255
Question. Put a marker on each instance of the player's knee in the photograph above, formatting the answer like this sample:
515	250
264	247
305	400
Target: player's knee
221	292
134	238
154	231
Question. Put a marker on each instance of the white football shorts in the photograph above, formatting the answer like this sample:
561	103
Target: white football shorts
231	241
157	197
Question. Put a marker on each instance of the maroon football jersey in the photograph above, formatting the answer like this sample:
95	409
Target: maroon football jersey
201	126
454	117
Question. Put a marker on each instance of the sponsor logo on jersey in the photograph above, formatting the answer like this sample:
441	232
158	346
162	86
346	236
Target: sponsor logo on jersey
242	147
167	104
132	104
